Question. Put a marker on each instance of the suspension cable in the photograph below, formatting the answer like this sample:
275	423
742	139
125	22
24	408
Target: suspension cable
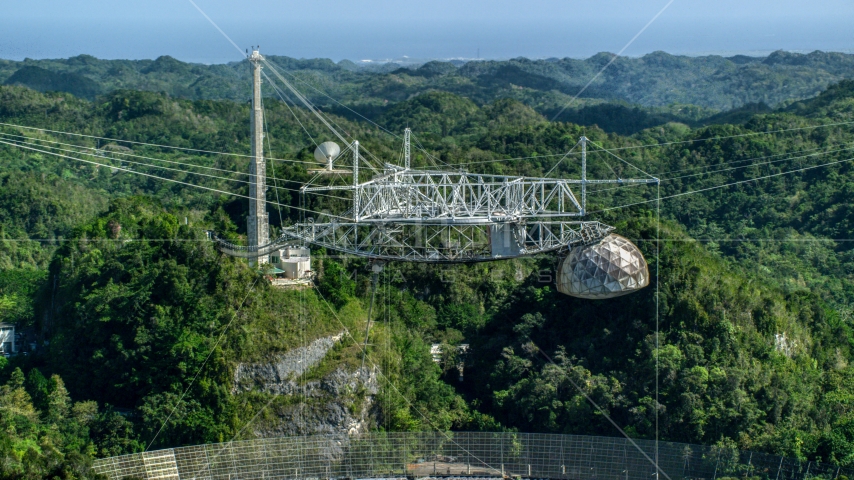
34	140
141	143
620	159
272	165
380	127
726	185
663	144
224	192
168	168
281	96
732	168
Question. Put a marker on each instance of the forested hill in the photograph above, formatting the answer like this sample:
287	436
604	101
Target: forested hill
655	80
111	276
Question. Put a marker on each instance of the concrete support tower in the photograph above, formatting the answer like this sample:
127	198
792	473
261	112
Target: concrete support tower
258	228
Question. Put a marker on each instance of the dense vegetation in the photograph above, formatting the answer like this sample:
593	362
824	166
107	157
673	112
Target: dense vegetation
46	435
668	88
111	276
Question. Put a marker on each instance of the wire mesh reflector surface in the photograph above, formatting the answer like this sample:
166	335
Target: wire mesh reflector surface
457	454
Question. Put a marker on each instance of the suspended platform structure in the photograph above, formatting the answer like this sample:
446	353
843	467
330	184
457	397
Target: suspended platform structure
400	213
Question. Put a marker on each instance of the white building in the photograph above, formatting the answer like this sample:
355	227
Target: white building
294	262
7	339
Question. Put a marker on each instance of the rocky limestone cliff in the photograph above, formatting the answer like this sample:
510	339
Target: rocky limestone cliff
340	402
277	376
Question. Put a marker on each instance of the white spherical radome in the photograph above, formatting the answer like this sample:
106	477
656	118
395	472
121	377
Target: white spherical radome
612	267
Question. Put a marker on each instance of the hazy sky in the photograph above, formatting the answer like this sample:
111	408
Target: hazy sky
381	29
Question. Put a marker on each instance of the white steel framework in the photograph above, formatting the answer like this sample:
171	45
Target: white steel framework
433	242
444	217
402	194
400	213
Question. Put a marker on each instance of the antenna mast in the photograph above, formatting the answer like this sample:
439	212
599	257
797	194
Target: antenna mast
258	228
356	180
583	175
406	153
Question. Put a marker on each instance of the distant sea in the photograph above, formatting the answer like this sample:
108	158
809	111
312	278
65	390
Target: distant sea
198	41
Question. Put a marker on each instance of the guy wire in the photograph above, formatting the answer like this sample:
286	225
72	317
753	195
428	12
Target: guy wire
272	165
657	309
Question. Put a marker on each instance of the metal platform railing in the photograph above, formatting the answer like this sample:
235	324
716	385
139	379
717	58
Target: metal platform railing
458	454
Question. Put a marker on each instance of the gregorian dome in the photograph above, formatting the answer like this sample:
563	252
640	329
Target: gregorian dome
612	267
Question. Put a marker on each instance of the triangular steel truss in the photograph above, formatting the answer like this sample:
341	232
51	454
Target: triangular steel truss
443	216
432	242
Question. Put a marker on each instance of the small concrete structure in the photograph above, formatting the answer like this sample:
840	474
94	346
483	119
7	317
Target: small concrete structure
295	262
291	267
7	339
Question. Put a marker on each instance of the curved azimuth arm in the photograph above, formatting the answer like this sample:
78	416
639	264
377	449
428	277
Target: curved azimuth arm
434	242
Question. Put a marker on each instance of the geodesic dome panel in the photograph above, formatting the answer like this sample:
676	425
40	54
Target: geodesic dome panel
612	267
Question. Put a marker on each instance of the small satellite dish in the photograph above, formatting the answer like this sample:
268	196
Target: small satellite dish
326	152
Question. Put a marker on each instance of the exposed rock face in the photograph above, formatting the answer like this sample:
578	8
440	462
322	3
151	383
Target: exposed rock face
340	402
277	377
